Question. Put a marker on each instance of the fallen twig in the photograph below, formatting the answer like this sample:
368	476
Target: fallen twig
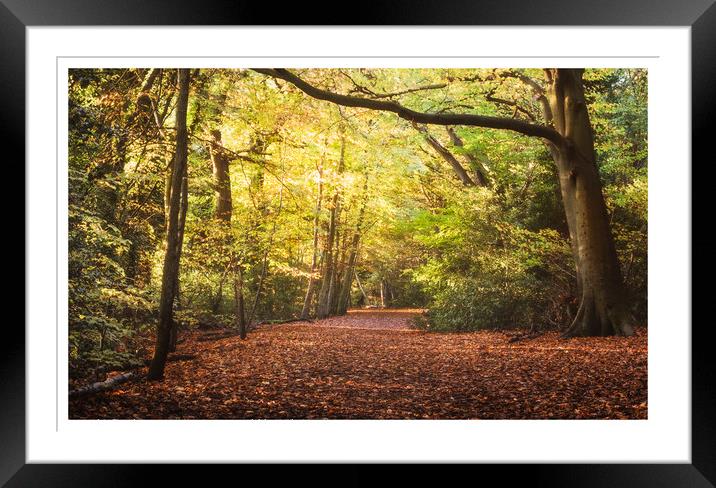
104	385
524	337
122	378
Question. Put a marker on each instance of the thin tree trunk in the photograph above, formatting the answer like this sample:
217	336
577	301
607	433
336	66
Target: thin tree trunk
184	205
216	303
239	299
306	310
447	156
360	285
222	183
338	267
322	308
324	296
223	209
174	244
264	267
345	290
477	166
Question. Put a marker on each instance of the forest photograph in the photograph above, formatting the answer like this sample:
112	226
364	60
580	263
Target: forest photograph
357	243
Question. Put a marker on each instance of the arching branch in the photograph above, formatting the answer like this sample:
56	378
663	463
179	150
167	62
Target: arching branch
526	128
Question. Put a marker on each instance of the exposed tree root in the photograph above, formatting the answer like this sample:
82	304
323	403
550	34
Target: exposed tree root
593	321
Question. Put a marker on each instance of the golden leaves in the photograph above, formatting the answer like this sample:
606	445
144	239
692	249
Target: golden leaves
368	364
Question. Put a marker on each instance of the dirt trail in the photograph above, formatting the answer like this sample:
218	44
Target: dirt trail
369	364
376	319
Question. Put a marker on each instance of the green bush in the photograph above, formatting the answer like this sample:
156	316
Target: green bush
485	272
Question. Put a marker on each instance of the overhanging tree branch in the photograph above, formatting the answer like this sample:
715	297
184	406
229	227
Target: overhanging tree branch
523	127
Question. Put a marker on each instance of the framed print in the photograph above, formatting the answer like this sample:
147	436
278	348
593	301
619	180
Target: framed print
442	234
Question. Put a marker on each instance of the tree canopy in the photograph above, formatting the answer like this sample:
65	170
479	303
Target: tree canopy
303	193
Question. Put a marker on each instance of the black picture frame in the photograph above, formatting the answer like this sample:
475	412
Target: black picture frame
16	15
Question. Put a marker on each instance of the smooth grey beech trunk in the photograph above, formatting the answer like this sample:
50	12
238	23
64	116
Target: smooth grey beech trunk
602	310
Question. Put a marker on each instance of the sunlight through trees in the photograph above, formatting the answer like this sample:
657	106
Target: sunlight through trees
204	199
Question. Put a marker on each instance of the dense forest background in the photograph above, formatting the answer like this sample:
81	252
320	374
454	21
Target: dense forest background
291	207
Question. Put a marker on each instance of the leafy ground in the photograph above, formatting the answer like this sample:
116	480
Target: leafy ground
370	364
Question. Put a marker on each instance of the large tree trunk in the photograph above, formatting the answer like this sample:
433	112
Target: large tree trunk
173	249
602	310
306	310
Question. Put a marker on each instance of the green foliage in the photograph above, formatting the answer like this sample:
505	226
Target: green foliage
494	257
104	310
486	272
110	238
619	114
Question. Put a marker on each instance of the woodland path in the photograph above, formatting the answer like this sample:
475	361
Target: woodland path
371	364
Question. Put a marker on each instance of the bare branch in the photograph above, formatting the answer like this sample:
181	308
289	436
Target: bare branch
367	91
490	97
446	155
